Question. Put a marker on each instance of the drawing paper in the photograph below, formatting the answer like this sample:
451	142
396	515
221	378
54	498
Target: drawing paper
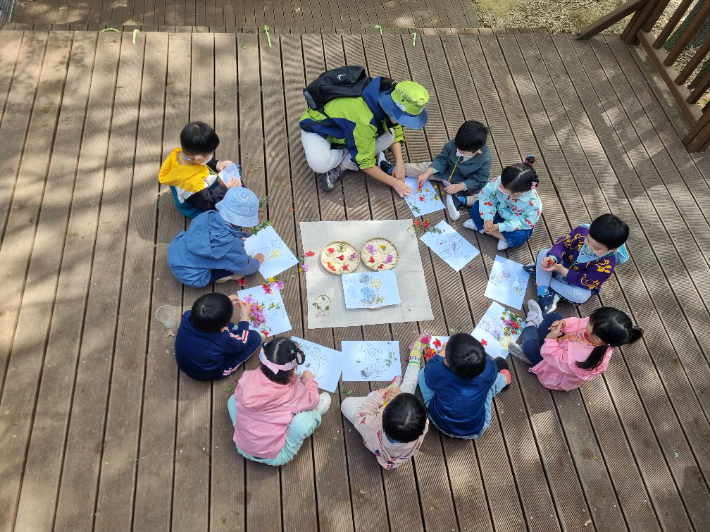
490	344
277	256
229	173
451	247
441	341
424	200
371	361
507	283
370	289
326	364
273	309
500	324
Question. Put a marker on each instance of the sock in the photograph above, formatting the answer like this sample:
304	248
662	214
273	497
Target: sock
415	359
542	290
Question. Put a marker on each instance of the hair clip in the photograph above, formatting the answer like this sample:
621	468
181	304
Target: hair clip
534	185
275	368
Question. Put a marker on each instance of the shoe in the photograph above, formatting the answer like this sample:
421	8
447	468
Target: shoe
395	382
263	337
417	346
324	403
505	369
232	277
453	205
534	313
548	302
384	164
530	268
516	351
468	224
331	177
502	244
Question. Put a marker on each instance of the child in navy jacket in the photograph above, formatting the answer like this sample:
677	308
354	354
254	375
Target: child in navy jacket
208	345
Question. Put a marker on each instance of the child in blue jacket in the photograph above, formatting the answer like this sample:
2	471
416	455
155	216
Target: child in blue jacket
458	386
208	345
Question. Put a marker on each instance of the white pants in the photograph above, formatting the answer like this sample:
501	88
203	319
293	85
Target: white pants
352	405
322	157
417	169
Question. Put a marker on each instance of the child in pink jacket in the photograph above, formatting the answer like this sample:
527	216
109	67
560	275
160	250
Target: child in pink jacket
566	353
273	411
392	421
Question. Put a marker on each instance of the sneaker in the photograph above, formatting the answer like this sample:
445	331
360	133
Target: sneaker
232	277
395	382
417	346
530	268
453	205
548	302
502	244
263	337
516	351
534	313
468	224
324	403
384	164
331	177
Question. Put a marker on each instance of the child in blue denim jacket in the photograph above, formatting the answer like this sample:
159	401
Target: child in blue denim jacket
508	207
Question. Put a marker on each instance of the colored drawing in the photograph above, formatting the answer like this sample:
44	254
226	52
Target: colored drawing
507	283
501	325
325	364
370	290
451	247
424	199
277	256
268	313
370	361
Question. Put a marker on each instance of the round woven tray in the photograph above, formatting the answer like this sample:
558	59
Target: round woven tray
330	258
376	259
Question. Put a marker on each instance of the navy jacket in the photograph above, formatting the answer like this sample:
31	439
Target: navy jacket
459	405
208	356
473	173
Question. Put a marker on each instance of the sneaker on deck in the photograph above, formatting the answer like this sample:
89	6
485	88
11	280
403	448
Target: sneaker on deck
453	205
531	269
324	403
516	351
232	277
534	313
331	177
468	224
384	164
502	244
548	302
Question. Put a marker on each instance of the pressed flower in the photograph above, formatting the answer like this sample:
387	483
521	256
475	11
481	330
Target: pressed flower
372	259
380	266
417	222
266	288
242	282
483	341
384	247
370	249
426	225
345	267
421	198
342	257
389	258
437	343
310	253
331	250
352	256
304	267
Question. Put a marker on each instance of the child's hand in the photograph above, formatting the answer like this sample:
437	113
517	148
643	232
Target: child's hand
556	329
234	298
488	226
393	392
421	179
259	257
548	262
383	393
222	165
234	182
244	310
398	171
454	188
307	375
401	188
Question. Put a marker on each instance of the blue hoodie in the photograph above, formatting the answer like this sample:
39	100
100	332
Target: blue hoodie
209	244
459	405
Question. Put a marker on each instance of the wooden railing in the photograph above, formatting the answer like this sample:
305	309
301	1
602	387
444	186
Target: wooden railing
645	15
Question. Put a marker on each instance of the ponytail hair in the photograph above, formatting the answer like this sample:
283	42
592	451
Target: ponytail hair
520	177
281	351
613	327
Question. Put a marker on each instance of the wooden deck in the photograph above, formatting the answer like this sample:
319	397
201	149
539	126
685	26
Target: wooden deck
98	429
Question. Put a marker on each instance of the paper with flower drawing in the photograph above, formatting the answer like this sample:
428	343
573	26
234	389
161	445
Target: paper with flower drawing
507	283
268	313
325	295
325	364
277	256
371	361
499	325
230	173
451	247
437	342
423	200
370	289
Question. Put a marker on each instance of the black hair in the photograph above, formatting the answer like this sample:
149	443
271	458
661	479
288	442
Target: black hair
471	136
197	138
520	177
280	351
612	327
387	84
211	312
609	230
404	418
465	355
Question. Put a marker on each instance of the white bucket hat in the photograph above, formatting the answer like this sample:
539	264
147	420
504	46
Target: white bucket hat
240	206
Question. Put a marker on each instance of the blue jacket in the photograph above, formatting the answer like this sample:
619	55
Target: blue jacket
473	173
459	405
209	244
208	356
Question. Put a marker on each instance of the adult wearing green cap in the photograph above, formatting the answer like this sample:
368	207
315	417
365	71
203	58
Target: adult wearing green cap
352	132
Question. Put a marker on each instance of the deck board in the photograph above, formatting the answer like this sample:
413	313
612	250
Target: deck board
100	425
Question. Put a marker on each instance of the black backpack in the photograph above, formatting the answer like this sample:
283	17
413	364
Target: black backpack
337	83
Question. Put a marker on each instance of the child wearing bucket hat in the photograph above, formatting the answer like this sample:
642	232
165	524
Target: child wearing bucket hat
212	249
349	133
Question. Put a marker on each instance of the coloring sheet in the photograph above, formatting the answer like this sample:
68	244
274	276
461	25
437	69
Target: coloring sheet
370	290
371	361
507	283
423	200
436	342
451	247
500	325
229	173
268	313
277	256
490	344
325	364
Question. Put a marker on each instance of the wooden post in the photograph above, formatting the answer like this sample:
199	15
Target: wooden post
641	18
610	19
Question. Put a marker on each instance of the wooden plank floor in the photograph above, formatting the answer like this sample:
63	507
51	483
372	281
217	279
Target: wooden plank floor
100	432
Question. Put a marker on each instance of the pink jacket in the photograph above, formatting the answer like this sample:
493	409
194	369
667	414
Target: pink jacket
265	408
369	425
558	369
